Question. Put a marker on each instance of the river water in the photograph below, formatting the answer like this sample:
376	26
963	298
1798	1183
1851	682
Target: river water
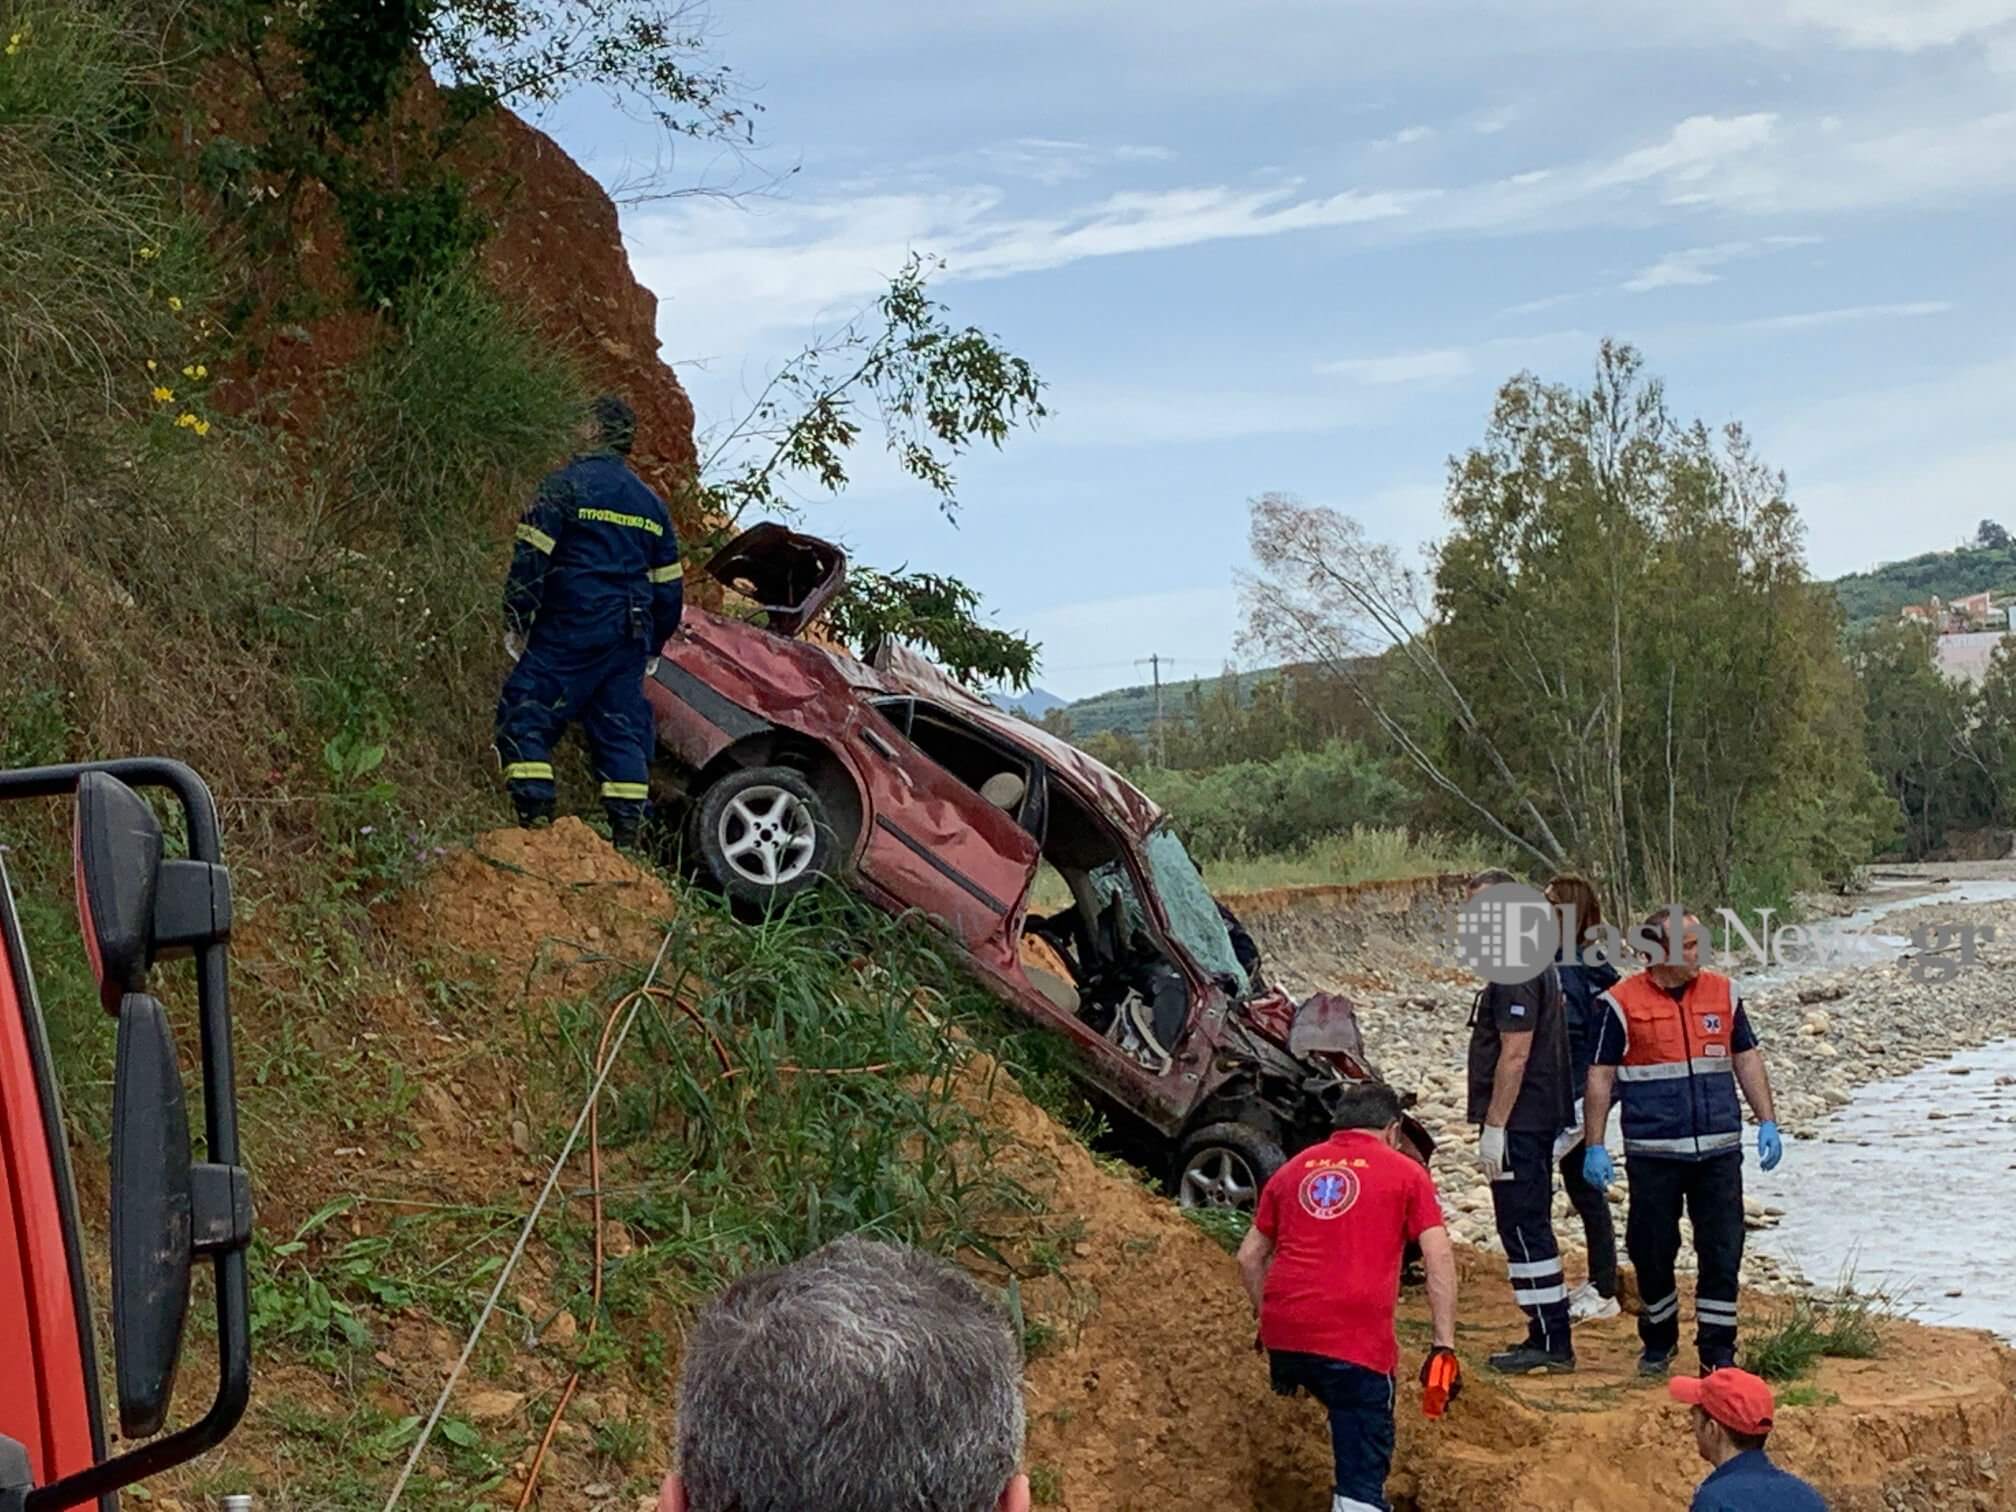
1917	1206
1912	1185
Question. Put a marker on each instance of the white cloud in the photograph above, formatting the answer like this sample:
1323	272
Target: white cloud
1437	366
1894	25
1050	162
789	265
1696	265
1690	152
730	272
1407	136
1448	364
1544	303
1851	314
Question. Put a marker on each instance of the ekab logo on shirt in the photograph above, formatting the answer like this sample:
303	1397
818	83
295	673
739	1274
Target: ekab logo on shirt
1328	1192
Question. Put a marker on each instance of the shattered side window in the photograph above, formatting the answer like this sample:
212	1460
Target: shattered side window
1193	914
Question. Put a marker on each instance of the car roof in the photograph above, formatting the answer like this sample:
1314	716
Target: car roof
898	669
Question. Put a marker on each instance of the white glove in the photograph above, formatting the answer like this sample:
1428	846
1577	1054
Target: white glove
513	646
1491	1151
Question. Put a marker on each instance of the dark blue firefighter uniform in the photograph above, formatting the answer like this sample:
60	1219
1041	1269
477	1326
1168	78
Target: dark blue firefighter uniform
594	591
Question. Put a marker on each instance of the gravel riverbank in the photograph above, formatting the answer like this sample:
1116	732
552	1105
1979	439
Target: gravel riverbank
1824	1033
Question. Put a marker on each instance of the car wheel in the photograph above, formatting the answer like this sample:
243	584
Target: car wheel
760	835
1224	1166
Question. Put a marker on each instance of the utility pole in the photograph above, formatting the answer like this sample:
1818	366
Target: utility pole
1154	660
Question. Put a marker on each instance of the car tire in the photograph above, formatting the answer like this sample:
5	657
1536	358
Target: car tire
1224	1165
760	835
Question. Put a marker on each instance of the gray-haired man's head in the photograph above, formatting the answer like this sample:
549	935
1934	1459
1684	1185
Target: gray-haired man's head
865	1378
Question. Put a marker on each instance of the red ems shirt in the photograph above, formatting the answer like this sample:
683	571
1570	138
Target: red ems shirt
1341	1215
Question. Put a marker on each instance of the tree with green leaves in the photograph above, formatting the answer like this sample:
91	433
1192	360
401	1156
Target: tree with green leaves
1938	747
1617	661
934	390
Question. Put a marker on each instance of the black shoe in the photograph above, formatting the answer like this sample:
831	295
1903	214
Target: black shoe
1709	1367
627	838
1522	1359
1651	1364
535	813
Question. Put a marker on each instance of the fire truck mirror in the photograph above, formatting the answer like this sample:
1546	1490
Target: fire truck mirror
153	1215
117	846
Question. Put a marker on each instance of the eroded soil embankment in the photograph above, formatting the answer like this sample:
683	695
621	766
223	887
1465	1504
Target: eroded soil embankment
1145	1393
1152	1398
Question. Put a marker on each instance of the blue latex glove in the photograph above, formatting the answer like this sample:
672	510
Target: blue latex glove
1770	1148
1598	1169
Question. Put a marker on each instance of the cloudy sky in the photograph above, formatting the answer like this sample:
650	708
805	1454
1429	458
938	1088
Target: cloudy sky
1296	244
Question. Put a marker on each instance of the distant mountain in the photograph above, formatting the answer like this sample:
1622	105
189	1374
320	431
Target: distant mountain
1132	710
1879	593
1033	704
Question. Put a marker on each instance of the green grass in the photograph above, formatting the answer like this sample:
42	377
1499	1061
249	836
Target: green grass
1366	854
1807	1396
1226	1227
1842	1324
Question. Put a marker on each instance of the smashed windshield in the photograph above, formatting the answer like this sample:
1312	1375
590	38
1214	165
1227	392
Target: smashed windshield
1193	914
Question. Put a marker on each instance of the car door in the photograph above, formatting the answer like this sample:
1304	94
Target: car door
935	844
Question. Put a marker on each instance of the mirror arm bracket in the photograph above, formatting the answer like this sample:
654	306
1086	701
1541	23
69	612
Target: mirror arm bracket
220	1199
192	906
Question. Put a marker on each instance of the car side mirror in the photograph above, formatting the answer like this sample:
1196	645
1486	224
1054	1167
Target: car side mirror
133	907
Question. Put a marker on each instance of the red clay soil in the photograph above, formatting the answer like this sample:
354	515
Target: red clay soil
555	253
1147	1397
1152	1397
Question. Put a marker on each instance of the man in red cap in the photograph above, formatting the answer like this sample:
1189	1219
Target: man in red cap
1732	1418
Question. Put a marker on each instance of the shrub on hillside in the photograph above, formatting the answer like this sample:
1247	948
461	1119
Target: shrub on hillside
463	403
1280	806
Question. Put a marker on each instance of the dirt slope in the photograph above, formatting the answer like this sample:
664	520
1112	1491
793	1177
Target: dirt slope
1153	1399
1146	1394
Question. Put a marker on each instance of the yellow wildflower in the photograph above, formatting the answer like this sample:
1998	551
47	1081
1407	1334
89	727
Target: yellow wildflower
152	364
175	301
202	427
148	254
196	371
164	395
186	421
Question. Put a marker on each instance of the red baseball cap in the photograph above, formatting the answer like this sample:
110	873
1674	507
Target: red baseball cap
1736	1399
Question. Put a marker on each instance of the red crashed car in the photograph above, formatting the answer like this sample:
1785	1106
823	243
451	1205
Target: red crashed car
795	761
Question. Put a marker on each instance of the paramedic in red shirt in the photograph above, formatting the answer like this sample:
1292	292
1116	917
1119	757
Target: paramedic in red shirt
1322	1266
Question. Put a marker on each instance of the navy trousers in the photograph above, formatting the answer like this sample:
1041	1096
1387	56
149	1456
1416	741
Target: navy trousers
1360	1404
1711	1191
1523	1204
556	684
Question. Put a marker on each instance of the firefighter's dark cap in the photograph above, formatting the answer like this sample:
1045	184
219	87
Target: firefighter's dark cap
615	421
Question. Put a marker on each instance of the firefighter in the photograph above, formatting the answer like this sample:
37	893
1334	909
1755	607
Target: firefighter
594	591
1675	1044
